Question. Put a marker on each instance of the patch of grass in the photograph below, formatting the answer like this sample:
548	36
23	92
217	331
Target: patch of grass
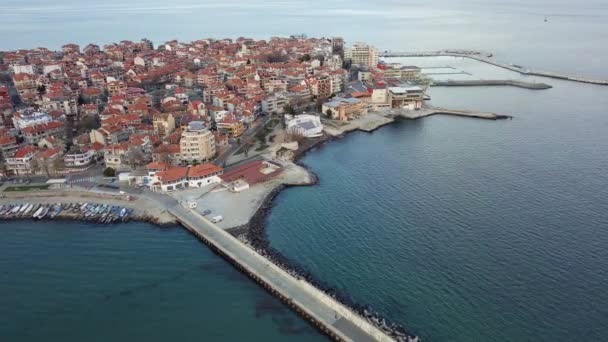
261	147
27	187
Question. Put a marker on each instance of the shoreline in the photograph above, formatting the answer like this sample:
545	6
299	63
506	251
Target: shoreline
253	234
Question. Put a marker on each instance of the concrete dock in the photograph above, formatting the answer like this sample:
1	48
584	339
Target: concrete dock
486	58
330	316
473	83
428	111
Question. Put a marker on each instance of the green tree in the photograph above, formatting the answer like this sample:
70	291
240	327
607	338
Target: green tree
289	109
328	113
109	172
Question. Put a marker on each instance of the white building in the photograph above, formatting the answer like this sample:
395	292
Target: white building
77	157
30	117
307	125
274	103
23	69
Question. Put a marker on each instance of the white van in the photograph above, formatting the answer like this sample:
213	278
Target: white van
217	219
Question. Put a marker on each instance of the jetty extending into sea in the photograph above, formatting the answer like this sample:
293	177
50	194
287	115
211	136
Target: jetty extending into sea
488	58
473	83
329	315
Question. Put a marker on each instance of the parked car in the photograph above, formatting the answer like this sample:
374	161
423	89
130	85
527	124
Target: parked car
217	219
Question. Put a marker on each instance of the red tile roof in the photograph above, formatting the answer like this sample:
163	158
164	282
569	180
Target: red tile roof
25	151
157	166
7	140
42	127
250	172
172	174
203	170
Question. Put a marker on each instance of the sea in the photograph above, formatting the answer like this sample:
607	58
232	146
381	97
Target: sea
459	229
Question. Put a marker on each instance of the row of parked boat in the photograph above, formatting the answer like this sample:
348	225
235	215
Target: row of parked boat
101	213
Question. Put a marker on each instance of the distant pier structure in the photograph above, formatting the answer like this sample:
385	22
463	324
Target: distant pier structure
487	58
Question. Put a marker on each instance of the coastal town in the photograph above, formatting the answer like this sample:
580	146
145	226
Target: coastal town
188	119
203	134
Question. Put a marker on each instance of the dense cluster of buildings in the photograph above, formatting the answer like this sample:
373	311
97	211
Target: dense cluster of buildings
130	104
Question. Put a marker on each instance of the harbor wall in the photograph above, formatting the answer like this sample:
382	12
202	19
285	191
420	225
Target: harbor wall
485	58
472	83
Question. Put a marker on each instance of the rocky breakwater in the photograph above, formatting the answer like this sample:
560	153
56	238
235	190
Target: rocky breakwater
254	235
473	83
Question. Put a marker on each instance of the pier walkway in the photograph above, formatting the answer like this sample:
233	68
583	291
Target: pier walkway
472	83
333	318
486	58
428	111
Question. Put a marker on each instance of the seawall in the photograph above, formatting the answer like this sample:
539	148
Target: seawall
326	313
473	83
428	111
486	58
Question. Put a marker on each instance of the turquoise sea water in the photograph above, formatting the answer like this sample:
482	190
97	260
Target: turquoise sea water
464	229
459	229
133	282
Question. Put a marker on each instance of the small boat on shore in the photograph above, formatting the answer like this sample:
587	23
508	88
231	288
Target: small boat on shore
38	212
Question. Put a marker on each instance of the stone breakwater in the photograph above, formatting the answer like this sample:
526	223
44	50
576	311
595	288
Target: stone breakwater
473	83
487	58
254	235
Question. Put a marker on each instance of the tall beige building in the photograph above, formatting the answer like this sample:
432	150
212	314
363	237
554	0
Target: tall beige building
362	54
164	124
197	144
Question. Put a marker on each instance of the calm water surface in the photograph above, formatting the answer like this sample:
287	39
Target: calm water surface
464	229
80	282
459	229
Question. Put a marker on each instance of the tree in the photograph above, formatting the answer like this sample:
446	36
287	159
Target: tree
246	147
109	172
57	164
329	113
88	123
289	109
2	163
34	165
305	58
135	156
45	165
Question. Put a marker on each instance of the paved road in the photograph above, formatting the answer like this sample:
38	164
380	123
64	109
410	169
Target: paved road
336	317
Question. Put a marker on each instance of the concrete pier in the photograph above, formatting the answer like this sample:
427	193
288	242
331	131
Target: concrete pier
330	316
428	111
486	58
473	83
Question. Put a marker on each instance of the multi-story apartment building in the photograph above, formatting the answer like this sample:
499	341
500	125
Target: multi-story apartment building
78	157
197	143
8	145
344	109
274	103
21	162
33	134
30	117
406	96
362	54
164	124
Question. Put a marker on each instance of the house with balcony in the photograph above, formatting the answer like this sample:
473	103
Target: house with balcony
78	157
21	162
